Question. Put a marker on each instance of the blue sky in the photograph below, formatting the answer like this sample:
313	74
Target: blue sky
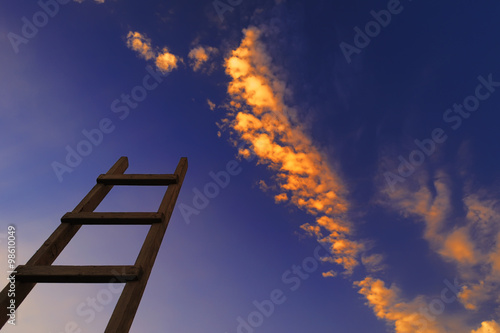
355	145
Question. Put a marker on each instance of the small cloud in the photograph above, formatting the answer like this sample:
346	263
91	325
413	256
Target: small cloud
312	230
200	55
280	197
211	104
164	60
373	263
141	44
329	274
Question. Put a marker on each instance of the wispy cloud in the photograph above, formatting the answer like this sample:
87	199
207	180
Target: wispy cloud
465	233
199	58
211	105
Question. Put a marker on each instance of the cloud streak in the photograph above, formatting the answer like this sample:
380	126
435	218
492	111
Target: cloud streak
259	116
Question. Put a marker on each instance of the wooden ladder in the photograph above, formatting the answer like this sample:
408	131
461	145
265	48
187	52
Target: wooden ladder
40	269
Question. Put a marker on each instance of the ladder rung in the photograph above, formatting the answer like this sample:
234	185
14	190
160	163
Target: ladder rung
112	218
77	274
138	179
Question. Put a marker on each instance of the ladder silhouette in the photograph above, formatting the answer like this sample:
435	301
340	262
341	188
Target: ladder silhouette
40	269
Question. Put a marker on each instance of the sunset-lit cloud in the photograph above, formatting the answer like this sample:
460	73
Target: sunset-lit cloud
200	55
387	305
259	116
164	60
303	178
415	316
464	233
329	274
142	45
211	104
488	327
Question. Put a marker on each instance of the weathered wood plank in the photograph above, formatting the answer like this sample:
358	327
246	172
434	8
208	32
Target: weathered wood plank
138	179
77	274
112	218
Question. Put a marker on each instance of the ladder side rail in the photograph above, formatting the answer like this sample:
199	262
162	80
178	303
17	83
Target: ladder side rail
58	240
128	303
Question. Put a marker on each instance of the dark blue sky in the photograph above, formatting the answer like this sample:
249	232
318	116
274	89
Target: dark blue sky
334	159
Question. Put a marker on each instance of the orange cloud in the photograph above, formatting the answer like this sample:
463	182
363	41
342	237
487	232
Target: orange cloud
280	197
164	60
141	44
304	178
200	55
488	327
387	305
211	104
474	294
433	209
471	242
329	274
458	247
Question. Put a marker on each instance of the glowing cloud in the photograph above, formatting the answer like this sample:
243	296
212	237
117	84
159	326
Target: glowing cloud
387	305
329	274
459	247
259	116
303	178
471	242
488	327
164	60
140	44
200	55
